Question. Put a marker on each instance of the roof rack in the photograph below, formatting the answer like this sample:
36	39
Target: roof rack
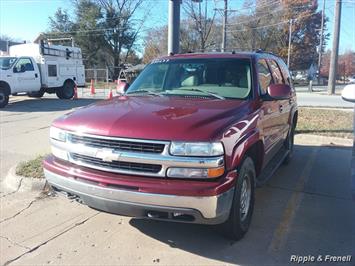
259	51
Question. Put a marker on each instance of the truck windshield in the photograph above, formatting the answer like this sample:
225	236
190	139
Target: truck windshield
216	78
7	62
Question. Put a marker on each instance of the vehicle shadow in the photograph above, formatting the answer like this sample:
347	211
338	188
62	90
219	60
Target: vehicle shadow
275	234
44	104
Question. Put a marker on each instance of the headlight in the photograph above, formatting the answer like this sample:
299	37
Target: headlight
57	134
196	148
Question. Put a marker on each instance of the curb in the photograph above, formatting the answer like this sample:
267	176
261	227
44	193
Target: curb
320	140
21	183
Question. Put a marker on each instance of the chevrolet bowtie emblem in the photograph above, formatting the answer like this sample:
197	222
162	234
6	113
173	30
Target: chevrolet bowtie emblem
107	155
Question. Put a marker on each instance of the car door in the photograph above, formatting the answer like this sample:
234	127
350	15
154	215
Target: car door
269	111
26	76
283	105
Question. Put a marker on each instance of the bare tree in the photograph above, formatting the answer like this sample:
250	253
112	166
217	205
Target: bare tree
120	31
201	21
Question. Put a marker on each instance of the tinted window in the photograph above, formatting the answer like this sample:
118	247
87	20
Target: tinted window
276	73
24	64
52	70
285	72
230	78
264	76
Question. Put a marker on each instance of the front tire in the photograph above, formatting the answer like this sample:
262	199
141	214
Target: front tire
4	98
243	202
67	91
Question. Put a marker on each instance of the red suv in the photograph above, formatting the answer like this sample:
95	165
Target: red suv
187	142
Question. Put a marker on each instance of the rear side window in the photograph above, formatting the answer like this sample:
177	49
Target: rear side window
52	70
276	73
264	76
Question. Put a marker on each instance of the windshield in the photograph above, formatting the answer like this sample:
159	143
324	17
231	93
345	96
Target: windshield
7	62
217	78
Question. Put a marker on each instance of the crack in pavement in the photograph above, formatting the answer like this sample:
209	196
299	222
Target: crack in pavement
50	239
19	212
13	192
14	243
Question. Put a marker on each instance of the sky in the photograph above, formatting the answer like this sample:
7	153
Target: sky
25	19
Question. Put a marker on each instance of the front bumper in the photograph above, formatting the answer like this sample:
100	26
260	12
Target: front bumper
193	209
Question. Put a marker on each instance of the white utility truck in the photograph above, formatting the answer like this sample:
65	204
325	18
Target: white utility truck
38	68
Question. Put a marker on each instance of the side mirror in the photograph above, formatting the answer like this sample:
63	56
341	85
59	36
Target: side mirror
348	93
279	91
122	86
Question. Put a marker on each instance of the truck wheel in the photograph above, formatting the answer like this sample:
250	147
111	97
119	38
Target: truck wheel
243	202
289	144
4	98
67	91
36	94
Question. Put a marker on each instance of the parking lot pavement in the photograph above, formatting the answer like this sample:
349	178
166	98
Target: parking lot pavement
25	125
305	209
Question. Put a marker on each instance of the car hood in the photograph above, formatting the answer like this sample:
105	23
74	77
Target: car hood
154	117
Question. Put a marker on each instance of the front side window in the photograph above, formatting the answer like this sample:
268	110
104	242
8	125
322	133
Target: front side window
276	73
264	76
23	65
228	78
285	72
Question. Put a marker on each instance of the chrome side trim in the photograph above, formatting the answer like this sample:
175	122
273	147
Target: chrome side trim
209	206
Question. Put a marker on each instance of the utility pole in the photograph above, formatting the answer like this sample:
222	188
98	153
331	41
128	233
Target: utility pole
174	26
321	42
224	37
289	43
335	49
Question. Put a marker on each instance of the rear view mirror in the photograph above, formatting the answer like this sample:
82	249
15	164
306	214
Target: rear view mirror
348	93
279	91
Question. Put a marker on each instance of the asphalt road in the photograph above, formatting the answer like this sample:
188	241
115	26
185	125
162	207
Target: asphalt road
306	209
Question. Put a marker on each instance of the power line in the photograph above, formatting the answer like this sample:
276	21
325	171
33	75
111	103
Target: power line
275	24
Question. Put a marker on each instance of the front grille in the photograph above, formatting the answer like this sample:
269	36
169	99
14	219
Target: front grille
117	144
116	165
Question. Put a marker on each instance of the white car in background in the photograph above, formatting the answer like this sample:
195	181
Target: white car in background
351	79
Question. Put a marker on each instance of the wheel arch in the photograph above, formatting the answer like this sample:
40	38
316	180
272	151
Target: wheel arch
69	80
4	85
253	146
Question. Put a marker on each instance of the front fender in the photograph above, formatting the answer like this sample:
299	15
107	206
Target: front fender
243	146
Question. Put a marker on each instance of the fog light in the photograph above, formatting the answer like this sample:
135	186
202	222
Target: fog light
199	173
59	153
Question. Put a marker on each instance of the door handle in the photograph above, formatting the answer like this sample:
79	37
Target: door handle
280	108
290	101
36	75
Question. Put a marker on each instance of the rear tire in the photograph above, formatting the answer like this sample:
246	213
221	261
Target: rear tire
36	94
289	143
243	202
4	98
67	91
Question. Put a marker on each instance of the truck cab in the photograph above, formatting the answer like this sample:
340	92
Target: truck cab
41	68
21	72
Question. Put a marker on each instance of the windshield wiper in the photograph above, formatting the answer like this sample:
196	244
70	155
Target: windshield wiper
206	92
150	92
